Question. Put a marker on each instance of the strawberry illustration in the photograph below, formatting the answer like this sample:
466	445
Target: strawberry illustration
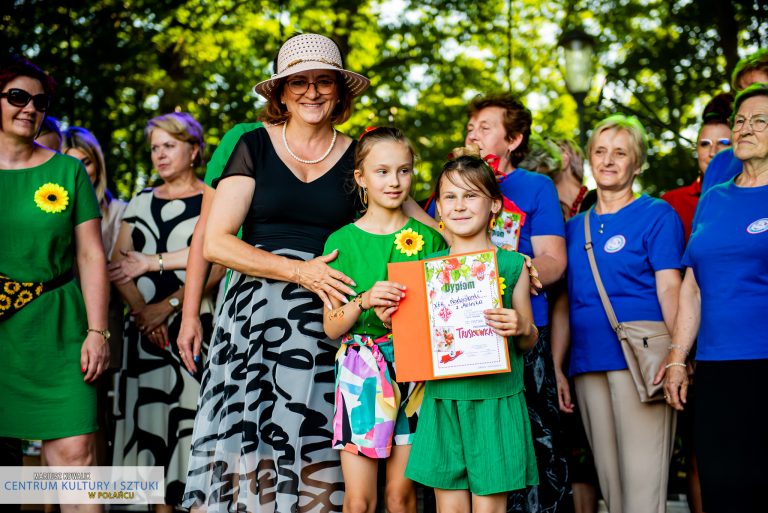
478	270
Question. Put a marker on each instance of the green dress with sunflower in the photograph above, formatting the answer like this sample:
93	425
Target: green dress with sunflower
43	393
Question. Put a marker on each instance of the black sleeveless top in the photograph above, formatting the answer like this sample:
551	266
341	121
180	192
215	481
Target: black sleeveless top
286	212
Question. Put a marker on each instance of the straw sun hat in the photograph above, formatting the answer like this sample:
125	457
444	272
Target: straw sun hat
307	52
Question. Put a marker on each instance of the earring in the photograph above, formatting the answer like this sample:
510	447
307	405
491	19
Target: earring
441	225
492	223
365	196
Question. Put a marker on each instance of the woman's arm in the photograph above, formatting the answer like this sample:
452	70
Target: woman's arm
128	290
221	245
190	338
549	257
668	291
92	264
683	336
560	338
135	264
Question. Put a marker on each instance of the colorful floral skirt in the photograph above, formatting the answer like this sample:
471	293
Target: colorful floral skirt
372	410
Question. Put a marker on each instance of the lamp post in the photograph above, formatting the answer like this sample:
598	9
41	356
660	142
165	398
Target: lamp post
578	48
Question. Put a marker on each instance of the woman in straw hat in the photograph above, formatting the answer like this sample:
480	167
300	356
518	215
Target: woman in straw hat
262	436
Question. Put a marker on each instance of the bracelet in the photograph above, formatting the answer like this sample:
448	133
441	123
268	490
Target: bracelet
297	273
678	347
160	262
386	325
359	302
675	364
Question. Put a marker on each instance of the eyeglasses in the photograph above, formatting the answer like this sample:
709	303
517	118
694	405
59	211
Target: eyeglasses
301	85
20	98
757	123
706	143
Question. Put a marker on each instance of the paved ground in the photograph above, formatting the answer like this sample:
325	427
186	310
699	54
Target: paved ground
679	506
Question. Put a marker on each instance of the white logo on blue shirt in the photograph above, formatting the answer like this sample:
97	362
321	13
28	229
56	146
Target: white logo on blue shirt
759	226
615	244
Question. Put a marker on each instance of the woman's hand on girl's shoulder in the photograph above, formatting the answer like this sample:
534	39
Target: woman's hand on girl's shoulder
317	276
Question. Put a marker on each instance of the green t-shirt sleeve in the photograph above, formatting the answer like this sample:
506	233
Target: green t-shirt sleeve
334	241
221	156
86	205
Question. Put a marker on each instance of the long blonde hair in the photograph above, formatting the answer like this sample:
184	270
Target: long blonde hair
76	137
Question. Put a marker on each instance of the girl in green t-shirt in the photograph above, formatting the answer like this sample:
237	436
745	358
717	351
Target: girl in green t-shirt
375	417
474	444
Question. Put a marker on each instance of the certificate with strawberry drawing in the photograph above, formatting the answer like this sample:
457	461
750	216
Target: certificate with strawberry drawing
439	330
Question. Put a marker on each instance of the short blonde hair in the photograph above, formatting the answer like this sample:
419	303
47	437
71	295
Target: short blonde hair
632	126
182	126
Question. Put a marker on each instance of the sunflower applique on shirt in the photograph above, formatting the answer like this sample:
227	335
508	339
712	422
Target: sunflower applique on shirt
409	242
52	198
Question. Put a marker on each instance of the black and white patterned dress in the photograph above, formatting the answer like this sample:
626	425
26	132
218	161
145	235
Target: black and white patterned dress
156	396
262	440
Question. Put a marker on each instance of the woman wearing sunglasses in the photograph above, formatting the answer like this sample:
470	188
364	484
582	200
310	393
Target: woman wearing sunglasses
53	333
714	137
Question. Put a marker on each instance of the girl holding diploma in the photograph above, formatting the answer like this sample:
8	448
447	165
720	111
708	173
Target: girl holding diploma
373	413
474	444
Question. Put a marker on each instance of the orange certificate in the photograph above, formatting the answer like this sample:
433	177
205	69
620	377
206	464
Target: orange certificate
439	330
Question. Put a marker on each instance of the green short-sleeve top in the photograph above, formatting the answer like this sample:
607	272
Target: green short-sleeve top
42	206
488	386
364	256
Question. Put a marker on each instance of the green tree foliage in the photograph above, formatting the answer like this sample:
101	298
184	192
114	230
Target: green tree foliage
120	63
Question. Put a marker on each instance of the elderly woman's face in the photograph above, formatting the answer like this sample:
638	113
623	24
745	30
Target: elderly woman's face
712	140
748	143
170	156
613	160
311	95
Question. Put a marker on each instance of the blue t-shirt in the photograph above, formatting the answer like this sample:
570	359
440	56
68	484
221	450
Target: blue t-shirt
728	252
721	168
535	196
643	237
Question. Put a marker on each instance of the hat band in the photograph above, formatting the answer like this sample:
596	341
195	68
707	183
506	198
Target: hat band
299	61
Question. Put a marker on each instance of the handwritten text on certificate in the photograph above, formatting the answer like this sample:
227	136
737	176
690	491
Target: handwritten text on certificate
458	290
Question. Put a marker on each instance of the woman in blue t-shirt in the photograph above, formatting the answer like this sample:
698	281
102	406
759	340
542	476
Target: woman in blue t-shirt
638	242
724	300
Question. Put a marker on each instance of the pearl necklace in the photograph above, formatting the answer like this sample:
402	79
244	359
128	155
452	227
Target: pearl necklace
297	158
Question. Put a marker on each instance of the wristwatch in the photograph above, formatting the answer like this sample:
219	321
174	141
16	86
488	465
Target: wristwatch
104	333
175	303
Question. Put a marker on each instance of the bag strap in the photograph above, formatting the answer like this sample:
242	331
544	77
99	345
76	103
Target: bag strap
596	275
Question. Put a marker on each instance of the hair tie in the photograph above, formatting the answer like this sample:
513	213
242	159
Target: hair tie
367	129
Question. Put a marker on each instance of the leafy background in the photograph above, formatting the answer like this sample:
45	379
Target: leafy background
120	62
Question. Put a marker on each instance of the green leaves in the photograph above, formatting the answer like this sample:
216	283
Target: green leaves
120	63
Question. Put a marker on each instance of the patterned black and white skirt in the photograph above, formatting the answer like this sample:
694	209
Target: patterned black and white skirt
262	436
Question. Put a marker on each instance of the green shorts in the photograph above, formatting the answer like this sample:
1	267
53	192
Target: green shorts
483	446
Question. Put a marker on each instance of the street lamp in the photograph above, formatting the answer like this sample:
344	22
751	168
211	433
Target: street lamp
578	48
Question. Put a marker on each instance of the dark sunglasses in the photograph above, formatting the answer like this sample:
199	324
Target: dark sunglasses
20	98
